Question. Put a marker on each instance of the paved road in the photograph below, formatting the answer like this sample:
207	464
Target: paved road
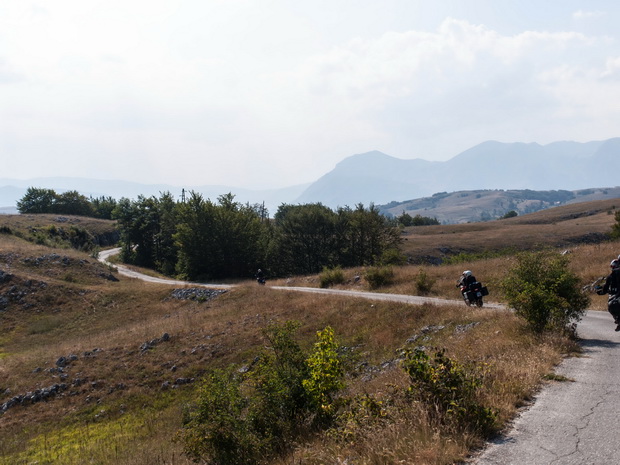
571	423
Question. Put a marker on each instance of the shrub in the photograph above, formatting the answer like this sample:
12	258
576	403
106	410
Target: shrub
393	257
215	428
543	291
326	372
423	283
331	276
615	228
448	389
379	276
248	418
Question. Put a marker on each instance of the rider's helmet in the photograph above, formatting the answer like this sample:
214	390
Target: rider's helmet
467	273
615	264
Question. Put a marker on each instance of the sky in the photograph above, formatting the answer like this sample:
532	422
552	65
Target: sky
274	93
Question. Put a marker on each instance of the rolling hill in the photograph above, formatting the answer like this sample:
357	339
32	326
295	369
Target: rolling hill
485	205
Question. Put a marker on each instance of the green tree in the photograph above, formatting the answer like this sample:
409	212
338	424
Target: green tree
407	220
364	236
37	200
165	252
103	207
73	203
545	292
304	238
124	213
237	237
195	239
218	240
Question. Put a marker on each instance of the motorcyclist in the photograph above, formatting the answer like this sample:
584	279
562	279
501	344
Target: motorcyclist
464	282
612	287
466	279
260	277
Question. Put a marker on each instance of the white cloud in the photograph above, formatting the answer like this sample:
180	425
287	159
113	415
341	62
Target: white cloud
581	14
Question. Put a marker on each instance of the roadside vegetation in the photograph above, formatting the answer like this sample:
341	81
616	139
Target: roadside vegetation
301	378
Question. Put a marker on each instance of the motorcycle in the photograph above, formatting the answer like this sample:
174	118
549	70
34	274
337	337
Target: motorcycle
473	294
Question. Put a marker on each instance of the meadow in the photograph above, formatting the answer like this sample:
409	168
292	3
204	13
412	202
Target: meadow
134	354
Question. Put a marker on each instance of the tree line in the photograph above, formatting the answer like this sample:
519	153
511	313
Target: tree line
42	200
199	239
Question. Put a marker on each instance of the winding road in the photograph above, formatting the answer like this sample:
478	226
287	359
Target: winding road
573	422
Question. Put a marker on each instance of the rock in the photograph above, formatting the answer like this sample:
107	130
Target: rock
151	344
180	381
5	277
196	293
33	396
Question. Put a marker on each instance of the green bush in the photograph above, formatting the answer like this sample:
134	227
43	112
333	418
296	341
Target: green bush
248	418
393	257
542	290
326	372
215	427
379	276
423	283
331	276
449	390
615	229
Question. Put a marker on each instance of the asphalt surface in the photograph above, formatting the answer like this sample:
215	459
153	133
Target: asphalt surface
575	422
572	422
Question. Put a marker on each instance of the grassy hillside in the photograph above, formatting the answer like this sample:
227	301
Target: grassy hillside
113	362
490	204
561	227
61	231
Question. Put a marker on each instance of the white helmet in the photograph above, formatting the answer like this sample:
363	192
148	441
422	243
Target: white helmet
467	273
615	264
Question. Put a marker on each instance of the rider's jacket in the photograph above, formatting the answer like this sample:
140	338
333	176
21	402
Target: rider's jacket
466	281
612	283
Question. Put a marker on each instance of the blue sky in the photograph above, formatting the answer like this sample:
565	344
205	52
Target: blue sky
273	93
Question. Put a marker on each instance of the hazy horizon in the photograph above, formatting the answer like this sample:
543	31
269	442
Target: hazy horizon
271	95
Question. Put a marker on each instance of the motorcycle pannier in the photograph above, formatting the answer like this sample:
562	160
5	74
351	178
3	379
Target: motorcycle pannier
484	290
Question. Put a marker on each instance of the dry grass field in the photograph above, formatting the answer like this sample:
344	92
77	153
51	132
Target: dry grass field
126	385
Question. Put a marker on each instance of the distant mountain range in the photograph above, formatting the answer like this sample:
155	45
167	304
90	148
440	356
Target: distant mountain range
379	178
375	177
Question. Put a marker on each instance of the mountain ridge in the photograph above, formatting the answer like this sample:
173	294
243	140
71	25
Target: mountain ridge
377	178
488	165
